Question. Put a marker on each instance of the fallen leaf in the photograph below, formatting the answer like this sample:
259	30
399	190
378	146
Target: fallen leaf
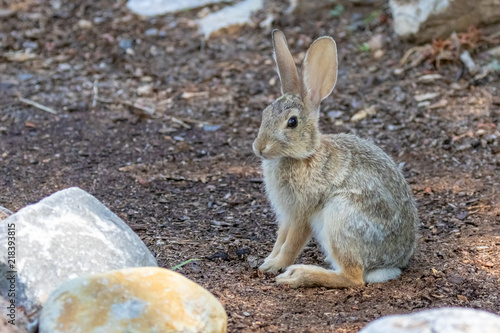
425	97
84	24
19	56
441	104
363	113
188	95
429	78
488	264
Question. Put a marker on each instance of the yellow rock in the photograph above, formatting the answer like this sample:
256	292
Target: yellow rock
133	300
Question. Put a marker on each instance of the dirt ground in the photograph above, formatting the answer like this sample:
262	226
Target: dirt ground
158	125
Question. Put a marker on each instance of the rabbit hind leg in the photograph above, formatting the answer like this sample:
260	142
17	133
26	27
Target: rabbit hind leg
314	276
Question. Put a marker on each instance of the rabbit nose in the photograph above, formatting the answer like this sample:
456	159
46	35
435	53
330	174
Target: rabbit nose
254	148
257	148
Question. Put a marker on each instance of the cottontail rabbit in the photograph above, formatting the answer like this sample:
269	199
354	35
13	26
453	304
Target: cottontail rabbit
344	189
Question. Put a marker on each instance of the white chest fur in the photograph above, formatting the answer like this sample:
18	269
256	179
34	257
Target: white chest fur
292	192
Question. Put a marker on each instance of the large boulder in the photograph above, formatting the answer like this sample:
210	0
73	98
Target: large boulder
443	320
147	299
424	20
64	236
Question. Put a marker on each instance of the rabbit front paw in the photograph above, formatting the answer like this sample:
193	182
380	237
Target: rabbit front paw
272	265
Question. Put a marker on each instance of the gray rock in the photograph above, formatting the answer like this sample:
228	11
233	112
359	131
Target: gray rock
211	128
151	32
334	114
125	44
30	45
64	236
16	322
443	320
425	20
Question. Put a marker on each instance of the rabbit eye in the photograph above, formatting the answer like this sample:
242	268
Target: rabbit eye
292	122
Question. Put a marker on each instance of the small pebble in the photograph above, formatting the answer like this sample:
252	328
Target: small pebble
376	42
332	115
211	128
125	44
30	45
398	71
253	261
151	32
378	54
84	24
145	90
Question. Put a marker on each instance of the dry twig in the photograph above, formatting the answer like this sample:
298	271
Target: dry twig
149	111
448	49
37	105
96	93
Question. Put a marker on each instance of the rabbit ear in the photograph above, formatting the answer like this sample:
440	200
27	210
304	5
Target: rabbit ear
319	71
287	70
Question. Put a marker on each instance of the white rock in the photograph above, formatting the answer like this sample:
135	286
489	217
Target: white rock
160	7
430	19
408	15
231	16
443	320
66	235
146	299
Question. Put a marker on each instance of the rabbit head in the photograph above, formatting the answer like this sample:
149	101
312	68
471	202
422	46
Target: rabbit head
289	126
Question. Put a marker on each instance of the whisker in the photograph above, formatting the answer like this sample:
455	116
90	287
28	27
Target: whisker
250	159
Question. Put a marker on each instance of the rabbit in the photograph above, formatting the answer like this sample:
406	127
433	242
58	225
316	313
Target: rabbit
341	188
